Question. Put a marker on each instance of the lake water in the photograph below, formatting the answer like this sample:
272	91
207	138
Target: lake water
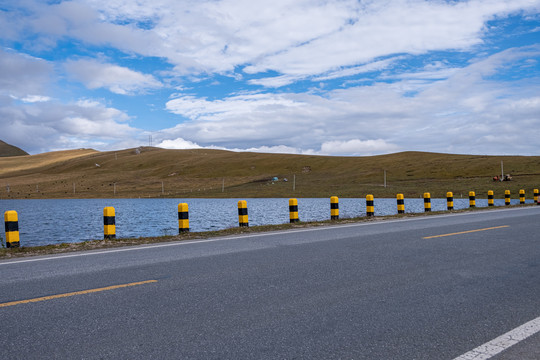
43	222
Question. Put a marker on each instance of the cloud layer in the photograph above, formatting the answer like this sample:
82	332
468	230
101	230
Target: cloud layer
341	77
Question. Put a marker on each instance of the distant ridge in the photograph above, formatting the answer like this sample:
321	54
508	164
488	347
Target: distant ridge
7	150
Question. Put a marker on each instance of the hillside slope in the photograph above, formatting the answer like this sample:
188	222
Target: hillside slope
154	172
7	150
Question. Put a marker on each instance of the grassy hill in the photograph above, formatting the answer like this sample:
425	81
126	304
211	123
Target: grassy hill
7	150
154	172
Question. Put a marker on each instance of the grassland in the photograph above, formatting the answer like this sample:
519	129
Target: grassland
154	172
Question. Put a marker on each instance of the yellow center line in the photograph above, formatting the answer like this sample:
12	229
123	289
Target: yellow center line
51	297
466	232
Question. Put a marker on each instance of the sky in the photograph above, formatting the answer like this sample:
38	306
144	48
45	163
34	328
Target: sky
340	77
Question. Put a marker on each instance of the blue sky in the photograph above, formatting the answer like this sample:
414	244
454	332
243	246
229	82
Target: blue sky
318	77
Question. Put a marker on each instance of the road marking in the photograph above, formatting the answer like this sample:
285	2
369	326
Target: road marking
51	297
466	232
503	342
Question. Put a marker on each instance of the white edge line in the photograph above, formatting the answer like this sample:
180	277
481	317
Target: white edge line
503	342
246	236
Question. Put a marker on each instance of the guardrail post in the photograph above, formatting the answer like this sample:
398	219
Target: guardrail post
183	218
400	204
293	210
450	200
11	220
370	205
506	197
535	195
427	202
109	223
490	198
472	199
243	220
334	208
522	196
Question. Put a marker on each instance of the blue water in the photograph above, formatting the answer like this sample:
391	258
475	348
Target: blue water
43	222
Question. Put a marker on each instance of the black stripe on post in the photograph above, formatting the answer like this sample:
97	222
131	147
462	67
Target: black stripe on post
12	226
334	206
242	211
184	215
293	208
109	220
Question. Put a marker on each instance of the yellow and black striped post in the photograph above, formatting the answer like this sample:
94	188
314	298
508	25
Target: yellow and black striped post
472	199
506	197
535	194
522	196
293	210
400	204
11	220
109	223
370	205
243	214
334	208
491	202
450	200
427	202
183	218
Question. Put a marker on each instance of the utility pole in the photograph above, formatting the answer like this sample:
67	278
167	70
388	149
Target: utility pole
223	185
502	171
294	183
385	179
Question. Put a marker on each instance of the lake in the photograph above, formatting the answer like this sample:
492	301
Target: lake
54	221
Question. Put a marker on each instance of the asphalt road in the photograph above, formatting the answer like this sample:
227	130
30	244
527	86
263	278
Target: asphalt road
378	290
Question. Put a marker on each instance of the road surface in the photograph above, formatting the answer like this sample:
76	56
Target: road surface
432	287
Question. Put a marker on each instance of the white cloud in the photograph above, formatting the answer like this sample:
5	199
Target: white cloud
45	126
358	147
459	113
23	75
296	38
35	98
178	143
117	79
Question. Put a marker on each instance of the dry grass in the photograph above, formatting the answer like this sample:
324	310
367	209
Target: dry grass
157	172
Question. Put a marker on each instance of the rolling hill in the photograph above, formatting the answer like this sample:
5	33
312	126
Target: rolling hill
7	150
155	172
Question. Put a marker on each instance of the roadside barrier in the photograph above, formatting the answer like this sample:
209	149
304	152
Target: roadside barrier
427	202
450	200
11	220
293	210
243	220
109	217
472	199
183	218
109	223
400	204
334	208
370	205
